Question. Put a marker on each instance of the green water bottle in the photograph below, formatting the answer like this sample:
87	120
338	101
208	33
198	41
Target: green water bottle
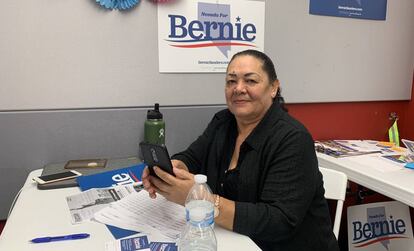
154	130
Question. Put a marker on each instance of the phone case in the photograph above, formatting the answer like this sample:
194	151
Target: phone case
156	155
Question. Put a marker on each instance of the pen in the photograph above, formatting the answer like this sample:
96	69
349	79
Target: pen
60	238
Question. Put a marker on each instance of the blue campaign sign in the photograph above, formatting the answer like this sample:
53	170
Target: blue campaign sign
365	9
122	176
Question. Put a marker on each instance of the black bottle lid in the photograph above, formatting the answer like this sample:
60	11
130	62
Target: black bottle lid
154	114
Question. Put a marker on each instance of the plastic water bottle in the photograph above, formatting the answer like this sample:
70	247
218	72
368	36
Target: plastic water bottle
154	129
199	206
196	236
200	197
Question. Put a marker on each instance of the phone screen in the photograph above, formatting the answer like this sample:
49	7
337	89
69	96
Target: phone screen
56	176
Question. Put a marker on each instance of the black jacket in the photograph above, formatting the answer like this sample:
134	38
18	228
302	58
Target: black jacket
280	203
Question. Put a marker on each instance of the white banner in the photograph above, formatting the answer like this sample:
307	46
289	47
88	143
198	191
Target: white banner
202	36
383	226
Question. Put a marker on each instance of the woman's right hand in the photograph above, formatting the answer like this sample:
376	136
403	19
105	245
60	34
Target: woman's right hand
147	183
149	187
179	164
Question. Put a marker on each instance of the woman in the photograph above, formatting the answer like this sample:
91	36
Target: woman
260	164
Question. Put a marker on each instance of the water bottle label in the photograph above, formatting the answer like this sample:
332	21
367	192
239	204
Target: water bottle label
208	220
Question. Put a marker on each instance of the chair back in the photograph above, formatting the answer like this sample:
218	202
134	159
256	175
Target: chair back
335	184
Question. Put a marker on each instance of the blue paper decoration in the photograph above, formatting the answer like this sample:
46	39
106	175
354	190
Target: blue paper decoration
118	4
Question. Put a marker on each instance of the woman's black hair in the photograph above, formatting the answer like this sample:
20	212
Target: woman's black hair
268	67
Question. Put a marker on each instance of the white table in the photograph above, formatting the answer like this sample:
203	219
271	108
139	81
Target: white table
396	183
45	213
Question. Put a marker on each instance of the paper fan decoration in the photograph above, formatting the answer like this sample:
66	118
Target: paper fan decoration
118	4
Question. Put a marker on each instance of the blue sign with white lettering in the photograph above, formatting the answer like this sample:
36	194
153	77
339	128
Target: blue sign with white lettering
122	176
365	9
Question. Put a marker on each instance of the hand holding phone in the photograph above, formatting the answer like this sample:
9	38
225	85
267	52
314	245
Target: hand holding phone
156	155
46	179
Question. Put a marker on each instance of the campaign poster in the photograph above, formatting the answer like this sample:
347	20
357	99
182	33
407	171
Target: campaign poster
382	226
365	9
202	36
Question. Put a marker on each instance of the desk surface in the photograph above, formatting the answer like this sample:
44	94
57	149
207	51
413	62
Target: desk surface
44	213
396	183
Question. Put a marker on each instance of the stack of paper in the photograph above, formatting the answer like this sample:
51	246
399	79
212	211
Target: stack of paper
344	148
83	206
140	213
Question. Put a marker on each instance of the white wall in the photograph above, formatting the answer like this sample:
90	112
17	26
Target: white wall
75	54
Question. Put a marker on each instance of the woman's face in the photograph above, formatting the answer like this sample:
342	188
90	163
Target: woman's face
248	91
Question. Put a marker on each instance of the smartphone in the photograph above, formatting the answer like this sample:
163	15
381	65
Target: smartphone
156	155
46	179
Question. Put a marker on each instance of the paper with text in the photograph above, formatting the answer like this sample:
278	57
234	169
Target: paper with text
84	205
140	213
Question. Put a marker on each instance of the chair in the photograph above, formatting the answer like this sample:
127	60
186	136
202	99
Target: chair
335	184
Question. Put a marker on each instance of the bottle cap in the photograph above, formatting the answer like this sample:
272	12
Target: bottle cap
154	114
200	178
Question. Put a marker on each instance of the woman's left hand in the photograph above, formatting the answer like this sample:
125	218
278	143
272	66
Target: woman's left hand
176	188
